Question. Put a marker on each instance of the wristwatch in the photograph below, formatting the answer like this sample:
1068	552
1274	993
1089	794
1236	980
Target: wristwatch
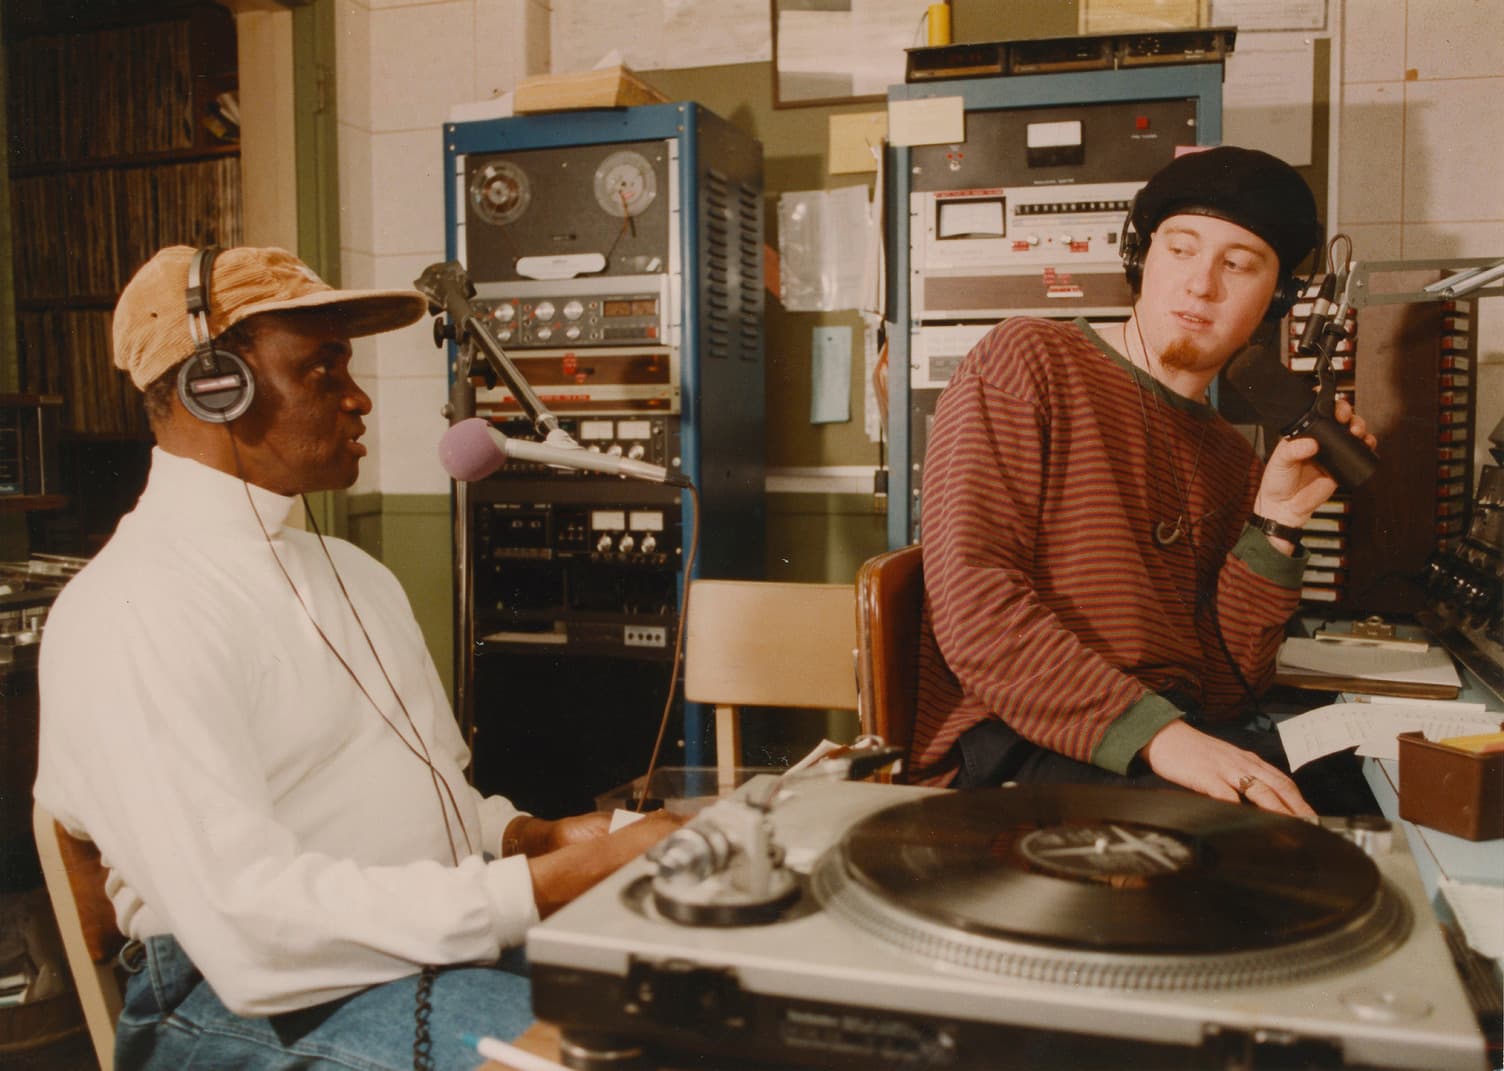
1274	528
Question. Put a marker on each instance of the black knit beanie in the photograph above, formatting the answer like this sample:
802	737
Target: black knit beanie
1253	189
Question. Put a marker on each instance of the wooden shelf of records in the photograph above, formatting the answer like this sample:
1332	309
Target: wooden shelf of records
1408	368
103	84
124	130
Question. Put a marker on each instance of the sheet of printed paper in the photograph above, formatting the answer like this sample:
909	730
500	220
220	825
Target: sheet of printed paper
1480	910
1373	727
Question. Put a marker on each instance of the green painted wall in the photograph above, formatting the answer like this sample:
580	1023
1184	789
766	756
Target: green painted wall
822	538
412	535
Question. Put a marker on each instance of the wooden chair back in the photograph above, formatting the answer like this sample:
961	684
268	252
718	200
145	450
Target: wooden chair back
75	879
889	606
767	644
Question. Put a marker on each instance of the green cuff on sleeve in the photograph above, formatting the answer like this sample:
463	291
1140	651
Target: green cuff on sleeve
1133	729
1254	548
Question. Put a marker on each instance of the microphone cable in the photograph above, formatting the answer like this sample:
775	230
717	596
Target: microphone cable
422	756
678	659
1198	599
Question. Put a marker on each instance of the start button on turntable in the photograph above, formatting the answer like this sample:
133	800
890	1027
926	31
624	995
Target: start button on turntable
1376	1006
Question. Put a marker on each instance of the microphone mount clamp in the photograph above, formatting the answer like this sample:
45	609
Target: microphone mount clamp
1332	331
450	295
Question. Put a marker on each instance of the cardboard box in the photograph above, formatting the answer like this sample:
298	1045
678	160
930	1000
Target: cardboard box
1456	791
613	87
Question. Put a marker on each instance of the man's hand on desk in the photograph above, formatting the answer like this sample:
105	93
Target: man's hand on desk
1223	771
585	856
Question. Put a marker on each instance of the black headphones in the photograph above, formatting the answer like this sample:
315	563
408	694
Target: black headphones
1133	248
213	384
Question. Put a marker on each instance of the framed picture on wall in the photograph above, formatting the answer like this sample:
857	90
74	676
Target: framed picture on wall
838	51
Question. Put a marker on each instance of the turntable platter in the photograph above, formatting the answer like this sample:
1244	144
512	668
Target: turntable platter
1051	880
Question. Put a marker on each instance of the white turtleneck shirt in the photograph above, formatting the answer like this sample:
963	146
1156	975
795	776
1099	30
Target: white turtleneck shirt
245	794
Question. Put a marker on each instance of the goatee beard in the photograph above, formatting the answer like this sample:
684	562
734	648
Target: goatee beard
1181	355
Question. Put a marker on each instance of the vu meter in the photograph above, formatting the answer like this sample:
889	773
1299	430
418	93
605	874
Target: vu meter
625	184
500	192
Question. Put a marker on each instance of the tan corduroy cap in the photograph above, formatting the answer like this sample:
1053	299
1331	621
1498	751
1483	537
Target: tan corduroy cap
151	317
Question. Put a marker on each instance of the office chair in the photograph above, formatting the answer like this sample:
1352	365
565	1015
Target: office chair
86	919
889	604
767	644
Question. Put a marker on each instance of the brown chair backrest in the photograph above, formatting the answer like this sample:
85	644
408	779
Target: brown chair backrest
75	878
889	605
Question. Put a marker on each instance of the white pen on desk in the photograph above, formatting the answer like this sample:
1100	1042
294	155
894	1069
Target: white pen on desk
511	1055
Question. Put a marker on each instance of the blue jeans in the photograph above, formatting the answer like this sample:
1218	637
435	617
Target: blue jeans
172	1019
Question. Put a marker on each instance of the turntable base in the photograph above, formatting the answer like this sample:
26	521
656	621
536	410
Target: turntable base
1031	928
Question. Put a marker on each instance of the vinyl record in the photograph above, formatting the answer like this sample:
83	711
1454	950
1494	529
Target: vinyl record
1110	869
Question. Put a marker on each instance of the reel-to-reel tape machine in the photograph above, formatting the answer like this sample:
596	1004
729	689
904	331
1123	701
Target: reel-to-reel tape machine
574	248
855	925
617	259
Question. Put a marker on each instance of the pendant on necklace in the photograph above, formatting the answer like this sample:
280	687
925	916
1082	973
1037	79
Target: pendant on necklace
1166	534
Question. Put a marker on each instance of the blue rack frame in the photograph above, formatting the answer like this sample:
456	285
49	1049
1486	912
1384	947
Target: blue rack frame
698	132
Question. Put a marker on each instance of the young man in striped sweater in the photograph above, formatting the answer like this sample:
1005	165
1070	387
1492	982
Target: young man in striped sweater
1108	565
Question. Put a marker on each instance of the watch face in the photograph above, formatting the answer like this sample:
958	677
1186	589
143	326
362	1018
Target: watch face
625	184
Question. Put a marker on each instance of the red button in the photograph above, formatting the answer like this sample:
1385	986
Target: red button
1141	123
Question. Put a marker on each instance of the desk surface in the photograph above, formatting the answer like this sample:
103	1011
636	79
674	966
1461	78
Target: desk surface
1440	854
1437	854
540	1039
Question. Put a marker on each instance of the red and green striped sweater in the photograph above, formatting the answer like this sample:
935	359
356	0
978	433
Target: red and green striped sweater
1047	603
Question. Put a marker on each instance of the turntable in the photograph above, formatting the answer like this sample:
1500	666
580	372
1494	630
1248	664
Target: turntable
828	924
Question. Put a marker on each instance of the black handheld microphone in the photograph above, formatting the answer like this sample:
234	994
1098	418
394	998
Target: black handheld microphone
1320	318
1286	400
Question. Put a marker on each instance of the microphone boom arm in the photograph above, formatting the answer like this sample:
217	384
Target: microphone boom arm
449	292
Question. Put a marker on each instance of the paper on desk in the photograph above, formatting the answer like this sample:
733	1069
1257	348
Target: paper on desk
1374	727
1479	909
1431	666
621	818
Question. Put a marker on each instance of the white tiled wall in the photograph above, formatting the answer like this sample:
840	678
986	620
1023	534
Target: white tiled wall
402	65
1422	149
1421	171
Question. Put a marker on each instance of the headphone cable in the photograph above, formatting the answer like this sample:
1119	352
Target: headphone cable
422	756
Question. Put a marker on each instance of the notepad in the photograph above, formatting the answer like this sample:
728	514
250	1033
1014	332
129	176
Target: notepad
1347	667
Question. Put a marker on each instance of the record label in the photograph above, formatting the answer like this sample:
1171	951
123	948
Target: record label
1112	852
